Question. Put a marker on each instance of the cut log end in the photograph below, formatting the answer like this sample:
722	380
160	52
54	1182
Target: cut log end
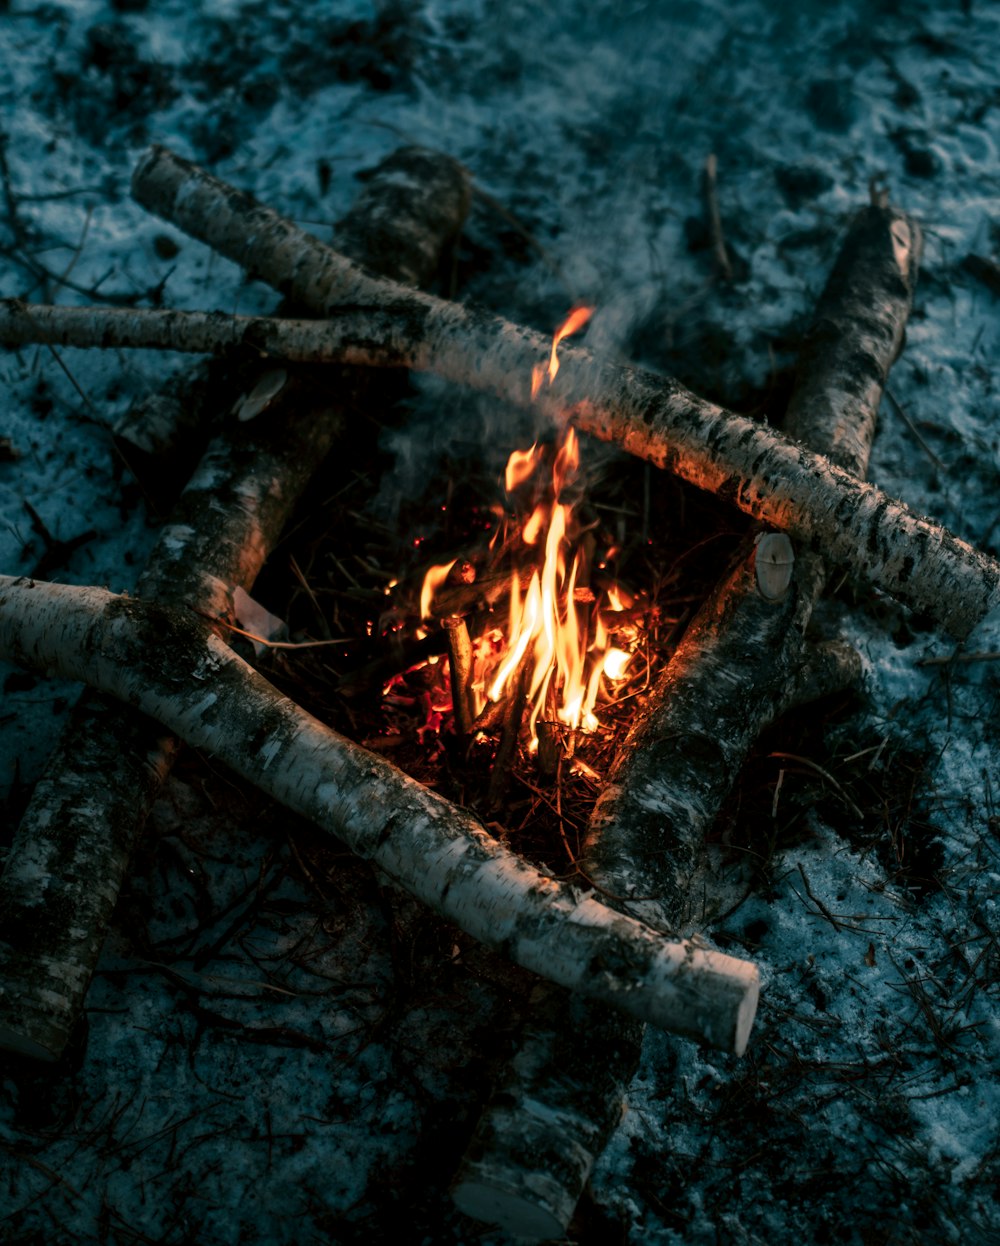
556	1104
16	1042
516	1211
721	1004
746	1012
520	1212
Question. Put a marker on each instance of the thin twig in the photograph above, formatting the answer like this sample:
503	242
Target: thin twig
719	252
914	430
824	774
276	644
954	658
834	921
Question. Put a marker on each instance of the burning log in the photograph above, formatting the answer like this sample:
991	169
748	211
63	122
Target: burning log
741	663
174	668
88	808
511	715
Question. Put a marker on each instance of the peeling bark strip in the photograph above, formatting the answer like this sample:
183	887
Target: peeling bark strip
70	854
740	664
177	671
852	524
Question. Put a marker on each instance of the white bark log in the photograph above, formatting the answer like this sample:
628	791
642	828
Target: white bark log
779	482
742	657
855	337
71	851
180	673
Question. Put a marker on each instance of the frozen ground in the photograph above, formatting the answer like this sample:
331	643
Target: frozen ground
307	1072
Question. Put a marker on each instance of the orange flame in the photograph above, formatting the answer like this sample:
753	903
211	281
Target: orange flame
433	580
547	636
573	323
548	644
520	466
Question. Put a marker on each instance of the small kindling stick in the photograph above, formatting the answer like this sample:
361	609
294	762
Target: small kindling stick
460	673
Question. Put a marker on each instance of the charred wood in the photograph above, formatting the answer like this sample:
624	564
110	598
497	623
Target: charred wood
460	674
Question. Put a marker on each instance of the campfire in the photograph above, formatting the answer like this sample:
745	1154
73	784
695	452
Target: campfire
552	660
523	651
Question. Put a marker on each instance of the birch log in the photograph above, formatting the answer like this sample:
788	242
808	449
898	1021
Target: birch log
852	524
743	655
176	670
740	664
401	225
71	851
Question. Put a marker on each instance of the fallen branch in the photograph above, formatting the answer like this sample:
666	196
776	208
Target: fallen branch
741	663
90	804
171	666
719	253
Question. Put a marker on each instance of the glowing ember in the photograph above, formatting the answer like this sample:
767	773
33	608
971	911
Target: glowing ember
615	662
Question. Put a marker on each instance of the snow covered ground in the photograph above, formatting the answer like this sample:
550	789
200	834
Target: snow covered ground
274	1052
